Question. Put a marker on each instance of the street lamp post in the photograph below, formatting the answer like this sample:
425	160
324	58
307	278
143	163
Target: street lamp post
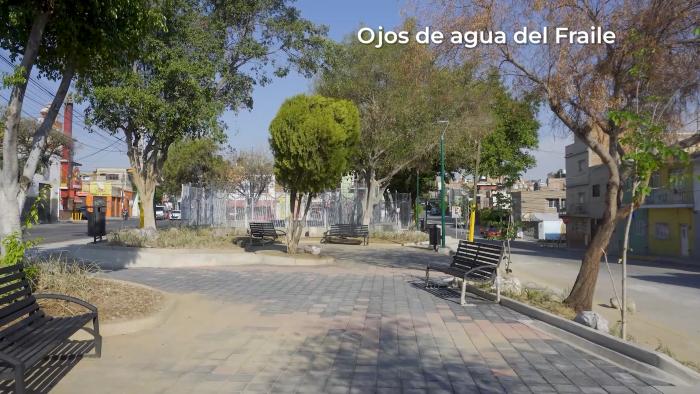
442	181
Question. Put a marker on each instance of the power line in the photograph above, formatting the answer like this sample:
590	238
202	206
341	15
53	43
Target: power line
76	114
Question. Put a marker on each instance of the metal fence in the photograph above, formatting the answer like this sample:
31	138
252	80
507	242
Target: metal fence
214	208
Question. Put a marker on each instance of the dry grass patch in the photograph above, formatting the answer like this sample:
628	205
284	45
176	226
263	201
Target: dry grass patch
114	300
400	237
178	238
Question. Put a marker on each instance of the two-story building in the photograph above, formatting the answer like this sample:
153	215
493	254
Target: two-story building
664	225
110	188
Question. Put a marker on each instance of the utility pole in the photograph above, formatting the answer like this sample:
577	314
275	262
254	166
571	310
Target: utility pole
442	182
472	214
417	197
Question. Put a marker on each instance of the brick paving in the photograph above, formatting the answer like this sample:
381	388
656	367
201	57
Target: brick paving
361	326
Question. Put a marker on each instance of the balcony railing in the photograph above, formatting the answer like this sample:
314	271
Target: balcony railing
669	197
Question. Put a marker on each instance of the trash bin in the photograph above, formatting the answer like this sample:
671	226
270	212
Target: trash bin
434	235
97	222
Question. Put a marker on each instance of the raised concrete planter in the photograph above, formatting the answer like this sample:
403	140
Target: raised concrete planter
623	353
117	257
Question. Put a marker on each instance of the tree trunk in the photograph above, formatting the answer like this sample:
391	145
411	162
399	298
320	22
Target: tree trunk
9	185
147	190
581	296
296	224
371	198
9	215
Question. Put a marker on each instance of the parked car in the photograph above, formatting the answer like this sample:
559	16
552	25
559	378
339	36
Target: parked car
490	232
175	215
160	212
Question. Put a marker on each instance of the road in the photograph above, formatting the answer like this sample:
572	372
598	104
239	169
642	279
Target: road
67	231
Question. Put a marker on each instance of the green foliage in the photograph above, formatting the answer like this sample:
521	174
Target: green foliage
313	139
90	36
504	144
646	150
395	88
192	161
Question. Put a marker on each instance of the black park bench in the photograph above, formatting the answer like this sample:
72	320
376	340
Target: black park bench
264	232
345	231
27	334
474	262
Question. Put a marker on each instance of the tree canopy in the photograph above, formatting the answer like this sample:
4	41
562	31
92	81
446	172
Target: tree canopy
195	161
313	139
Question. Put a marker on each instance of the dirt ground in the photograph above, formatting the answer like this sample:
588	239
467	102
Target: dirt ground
115	300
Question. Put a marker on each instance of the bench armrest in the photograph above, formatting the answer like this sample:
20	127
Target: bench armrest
280	232
480	268
64	297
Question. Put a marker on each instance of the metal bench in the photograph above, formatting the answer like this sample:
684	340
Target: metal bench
474	262
265	232
344	231
27	334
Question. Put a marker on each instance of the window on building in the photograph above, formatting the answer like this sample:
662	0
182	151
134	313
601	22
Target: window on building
595	192
581	197
678	180
112	177
563	203
581	165
552	202
661	231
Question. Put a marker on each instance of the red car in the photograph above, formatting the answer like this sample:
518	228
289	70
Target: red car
490	232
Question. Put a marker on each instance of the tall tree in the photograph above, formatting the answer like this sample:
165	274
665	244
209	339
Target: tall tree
584	83
207	60
312	139
195	161
504	143
59	39
398	91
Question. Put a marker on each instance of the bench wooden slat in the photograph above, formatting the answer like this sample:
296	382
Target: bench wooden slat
16	309
483	258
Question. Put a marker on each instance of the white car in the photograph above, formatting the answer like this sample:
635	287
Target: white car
160	212
175	215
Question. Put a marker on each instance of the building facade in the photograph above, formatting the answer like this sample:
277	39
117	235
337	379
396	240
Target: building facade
110	188
664	225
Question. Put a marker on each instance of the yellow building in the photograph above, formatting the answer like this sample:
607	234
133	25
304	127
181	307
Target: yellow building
670	216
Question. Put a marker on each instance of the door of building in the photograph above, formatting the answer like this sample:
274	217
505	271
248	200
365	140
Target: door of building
685	249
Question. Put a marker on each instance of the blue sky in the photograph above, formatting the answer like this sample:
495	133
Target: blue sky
248	129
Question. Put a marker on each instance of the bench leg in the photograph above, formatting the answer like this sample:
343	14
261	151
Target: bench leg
427	277
463	299
98	337
19	380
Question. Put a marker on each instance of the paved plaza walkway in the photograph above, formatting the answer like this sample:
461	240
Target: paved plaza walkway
363	325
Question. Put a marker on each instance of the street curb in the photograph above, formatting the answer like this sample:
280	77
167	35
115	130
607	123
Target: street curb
622	353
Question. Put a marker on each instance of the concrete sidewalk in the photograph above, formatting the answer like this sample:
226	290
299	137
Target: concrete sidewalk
359	327
663	294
